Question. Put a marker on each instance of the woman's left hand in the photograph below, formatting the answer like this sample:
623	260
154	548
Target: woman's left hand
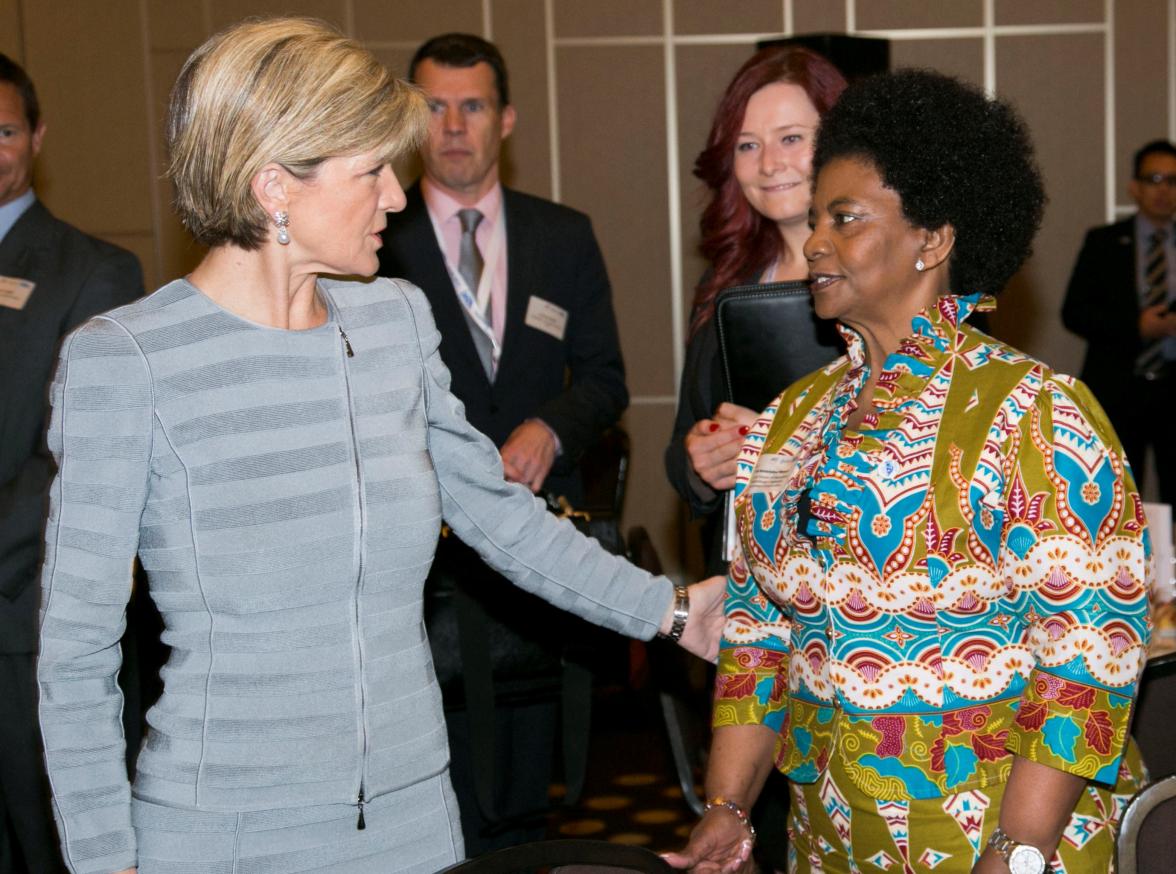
704	628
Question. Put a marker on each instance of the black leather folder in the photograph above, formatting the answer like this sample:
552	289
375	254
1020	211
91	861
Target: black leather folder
769	338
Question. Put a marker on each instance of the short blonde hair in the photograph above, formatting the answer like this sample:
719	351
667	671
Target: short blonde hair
288	90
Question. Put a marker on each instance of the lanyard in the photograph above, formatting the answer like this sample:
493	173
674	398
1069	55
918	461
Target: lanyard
476	304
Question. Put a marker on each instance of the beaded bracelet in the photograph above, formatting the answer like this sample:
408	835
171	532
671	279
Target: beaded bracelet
740	814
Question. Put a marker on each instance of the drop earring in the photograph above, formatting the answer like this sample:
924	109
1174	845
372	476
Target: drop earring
919	265
282	220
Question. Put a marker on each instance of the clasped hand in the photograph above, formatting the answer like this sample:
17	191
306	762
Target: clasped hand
712	445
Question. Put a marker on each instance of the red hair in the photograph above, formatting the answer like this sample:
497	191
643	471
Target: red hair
735	238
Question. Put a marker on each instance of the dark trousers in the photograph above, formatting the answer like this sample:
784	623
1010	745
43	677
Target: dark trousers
28	839
524	746
1144	417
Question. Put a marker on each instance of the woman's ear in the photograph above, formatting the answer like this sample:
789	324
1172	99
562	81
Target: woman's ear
937	245
271	185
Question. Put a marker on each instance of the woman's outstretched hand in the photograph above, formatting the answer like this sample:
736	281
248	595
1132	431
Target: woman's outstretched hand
719	844
704	628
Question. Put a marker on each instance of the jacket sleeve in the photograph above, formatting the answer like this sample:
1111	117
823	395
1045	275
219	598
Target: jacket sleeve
694	403
1074	553
595	395
100	435
112	282
510	529
1090	308
751	685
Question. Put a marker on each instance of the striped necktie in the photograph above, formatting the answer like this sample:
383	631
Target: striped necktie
1150	362
469	265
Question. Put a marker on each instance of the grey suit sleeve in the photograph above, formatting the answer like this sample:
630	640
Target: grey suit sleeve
511	530
100	435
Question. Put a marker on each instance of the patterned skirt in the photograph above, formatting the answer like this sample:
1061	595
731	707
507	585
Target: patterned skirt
834	827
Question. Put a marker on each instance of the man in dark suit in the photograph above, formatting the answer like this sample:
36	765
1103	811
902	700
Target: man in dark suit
520	294
52	277
1120	299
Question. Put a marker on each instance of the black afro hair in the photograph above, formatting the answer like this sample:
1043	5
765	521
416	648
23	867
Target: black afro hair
954	156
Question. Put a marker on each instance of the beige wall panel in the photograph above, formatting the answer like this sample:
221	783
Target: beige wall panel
818	16
703	74
226	12
414	20
1032	72
1050	11
408	167
519	34
896	14
395	59
613	167
143	248
649	500
574	18
94	169
959	57
178	254
176	26
743	16
11	36
1141	99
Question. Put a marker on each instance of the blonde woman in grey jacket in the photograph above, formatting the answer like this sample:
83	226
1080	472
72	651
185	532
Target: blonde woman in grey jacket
280	450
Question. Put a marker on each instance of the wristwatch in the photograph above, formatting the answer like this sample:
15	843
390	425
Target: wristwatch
1021	858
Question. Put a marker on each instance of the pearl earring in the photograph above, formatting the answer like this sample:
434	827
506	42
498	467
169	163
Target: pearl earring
920	266
282	220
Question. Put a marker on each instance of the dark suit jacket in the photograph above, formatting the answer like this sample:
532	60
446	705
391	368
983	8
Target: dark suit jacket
575	385
76	277
1102	306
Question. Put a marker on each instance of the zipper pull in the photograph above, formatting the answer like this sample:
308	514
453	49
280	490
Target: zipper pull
360	825
347	344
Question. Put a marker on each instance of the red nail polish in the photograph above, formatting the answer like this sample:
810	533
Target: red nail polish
714	426
744	430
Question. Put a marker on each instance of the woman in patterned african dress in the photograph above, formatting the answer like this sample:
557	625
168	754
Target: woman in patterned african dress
938	618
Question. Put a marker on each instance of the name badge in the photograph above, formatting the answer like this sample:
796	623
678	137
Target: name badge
772	474
543	315
14	293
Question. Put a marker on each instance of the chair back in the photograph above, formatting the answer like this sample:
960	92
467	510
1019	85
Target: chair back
566	857
1155	716
1147	831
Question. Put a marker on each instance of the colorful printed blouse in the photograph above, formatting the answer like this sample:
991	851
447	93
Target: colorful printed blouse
971	583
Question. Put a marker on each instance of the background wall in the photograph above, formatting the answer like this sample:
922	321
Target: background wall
614	101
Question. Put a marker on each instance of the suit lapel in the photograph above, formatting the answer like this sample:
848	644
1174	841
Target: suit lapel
420	247
521	277
1124	257
24	238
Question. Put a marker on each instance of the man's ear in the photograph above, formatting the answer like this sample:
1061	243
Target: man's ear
1134	190
271	186
937	245
38	136
509	116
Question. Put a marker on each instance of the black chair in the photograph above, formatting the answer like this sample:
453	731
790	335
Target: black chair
1155	717
569	857
1147	832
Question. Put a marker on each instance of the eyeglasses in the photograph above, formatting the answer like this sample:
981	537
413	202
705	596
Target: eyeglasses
1158	179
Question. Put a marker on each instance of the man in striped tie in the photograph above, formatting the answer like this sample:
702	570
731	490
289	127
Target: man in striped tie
1121	299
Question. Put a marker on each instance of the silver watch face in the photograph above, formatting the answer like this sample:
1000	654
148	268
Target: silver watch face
1025	859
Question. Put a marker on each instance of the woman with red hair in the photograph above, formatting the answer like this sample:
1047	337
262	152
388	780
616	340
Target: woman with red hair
757	166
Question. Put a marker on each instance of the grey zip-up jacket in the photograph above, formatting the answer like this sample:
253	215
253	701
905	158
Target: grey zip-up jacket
284	492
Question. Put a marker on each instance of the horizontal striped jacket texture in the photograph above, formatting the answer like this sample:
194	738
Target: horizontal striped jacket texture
284	491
